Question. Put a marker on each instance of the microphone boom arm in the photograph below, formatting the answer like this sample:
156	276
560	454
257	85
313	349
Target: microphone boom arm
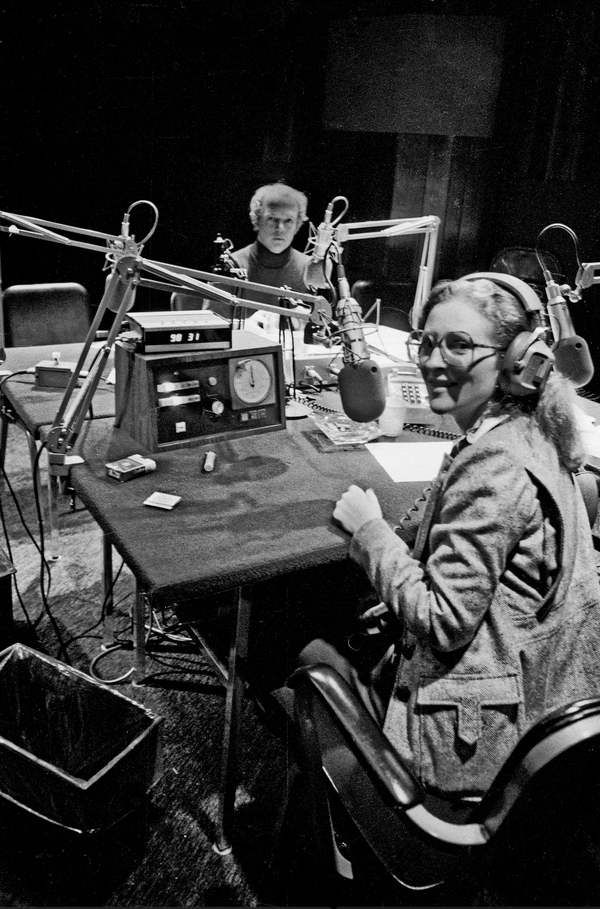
70	415
587	275
428	225
195	280
572	356
124	254
36	228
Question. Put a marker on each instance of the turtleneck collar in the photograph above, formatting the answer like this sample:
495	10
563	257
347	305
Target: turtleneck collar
269	259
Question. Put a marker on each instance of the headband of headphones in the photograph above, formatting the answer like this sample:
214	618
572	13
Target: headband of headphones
525	294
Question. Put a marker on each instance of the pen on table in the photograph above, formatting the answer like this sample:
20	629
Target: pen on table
209	461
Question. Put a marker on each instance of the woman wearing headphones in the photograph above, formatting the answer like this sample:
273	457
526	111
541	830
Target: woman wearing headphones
499	600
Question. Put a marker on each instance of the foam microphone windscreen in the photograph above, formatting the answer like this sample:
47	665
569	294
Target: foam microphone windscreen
314	274
362	391
572	359
118	289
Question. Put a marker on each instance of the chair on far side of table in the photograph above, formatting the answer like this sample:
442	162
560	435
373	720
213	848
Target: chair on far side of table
36	314
42	314
181	302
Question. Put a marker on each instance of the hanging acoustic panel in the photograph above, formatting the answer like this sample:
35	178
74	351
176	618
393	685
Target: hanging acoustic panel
432	75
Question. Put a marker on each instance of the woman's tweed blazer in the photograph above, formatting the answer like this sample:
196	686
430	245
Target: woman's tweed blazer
500	606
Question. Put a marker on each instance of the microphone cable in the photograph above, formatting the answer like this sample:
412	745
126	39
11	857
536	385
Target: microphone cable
10	552
44	568
572	357
558	226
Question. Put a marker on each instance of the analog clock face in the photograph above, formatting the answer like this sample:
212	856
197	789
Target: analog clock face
252	381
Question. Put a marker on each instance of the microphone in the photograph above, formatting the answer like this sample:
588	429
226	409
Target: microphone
314	272
362	391
117	287
225	264
571	352
360	381
222	247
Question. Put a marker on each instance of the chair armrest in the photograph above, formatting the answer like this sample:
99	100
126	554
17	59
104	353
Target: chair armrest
589	485
367	737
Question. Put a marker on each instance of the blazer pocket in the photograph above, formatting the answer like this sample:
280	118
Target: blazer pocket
468	726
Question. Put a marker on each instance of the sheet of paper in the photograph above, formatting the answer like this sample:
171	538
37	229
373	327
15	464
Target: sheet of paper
409	462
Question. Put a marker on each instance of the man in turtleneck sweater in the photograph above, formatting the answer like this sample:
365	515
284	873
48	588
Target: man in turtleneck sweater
277	213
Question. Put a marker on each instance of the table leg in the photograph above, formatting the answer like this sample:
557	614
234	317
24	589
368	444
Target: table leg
238	652
53	485
108	625
53	497
3	438
59	467
138	669
139	634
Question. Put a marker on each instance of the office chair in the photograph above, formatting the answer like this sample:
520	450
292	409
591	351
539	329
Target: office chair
36	314
534	838
42	314
180	302
522	262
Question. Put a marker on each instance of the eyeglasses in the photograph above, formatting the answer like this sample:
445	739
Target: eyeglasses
456	348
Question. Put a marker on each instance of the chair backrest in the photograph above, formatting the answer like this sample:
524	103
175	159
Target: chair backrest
36	314
589	484
547	791
522	262
555	735
181	302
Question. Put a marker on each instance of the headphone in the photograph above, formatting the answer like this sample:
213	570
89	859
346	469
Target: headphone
528	361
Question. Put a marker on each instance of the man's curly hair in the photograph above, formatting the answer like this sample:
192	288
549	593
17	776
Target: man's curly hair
277	194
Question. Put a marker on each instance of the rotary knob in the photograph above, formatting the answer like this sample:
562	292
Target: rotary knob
217	407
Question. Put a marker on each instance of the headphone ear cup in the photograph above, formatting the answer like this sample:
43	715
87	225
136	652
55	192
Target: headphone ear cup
515	352
527	364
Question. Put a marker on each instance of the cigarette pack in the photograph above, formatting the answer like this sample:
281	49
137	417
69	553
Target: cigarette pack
128	468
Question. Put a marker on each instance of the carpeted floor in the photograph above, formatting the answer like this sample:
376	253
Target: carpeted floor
162	856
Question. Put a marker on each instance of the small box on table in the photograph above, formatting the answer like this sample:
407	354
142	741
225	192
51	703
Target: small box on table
127	468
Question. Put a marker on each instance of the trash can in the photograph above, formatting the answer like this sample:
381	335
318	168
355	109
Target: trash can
72	750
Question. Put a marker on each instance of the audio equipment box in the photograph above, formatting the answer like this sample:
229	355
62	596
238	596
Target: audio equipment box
197	329
181	399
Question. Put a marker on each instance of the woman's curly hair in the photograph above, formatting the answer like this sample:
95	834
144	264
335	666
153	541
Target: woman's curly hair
553	408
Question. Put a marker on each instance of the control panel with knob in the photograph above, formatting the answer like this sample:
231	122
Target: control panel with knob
171	400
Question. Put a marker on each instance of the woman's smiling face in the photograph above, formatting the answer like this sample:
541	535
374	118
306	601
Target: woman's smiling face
462	392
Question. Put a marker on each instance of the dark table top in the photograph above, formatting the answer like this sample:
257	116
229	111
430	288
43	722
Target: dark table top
264	511
37	407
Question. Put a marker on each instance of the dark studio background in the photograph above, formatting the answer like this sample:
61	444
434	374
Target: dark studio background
192	104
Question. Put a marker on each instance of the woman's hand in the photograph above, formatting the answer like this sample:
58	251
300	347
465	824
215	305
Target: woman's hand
356	507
